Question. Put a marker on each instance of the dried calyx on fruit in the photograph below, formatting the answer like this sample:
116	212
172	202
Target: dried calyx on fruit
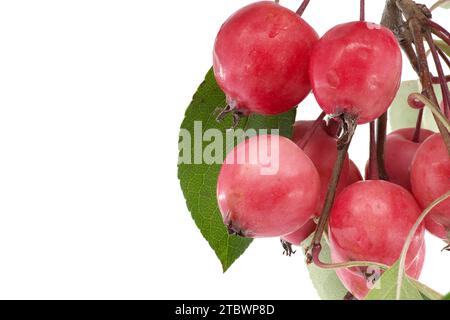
267	187
370	221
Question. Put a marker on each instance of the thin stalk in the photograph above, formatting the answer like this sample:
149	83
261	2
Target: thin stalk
441	75
345	265
436	80
362	10
425	76
409	239
373	168
445	58
302	7
349	127
381	142
443	121
416	136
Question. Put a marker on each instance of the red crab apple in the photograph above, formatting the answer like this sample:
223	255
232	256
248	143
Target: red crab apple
261	59
430	177
270	195
296	238
356	69
359	281
400	150
354	175
370	221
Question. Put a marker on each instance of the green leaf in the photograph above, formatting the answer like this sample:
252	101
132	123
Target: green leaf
447	297
326	281
385	288
403	116
427	292
443	45
445	4
198	181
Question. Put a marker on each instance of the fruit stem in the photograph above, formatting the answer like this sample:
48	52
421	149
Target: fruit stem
409	239
416	136
349	126
410	32
373	170
344	265
440	118
381	142
425	76
362	10
302	7
445	58
312	130
441	75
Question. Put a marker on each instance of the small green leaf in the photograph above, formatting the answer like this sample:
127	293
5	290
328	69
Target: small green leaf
443	45
403	116
427	292
385	288
445	4
198	181
326	282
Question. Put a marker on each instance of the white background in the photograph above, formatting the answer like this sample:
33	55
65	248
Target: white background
92	94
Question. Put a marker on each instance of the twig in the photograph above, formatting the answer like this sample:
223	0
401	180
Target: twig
302	7
441	75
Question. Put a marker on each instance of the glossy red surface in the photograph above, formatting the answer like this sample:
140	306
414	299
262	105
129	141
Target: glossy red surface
261	200
261	58
399	153
430	177
356	68
370	221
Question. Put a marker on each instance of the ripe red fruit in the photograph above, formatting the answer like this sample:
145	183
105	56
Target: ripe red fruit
370	221
437	229
354	175
322	150
356	69
430	177
261	59
400	150
302	234
259	200
359	281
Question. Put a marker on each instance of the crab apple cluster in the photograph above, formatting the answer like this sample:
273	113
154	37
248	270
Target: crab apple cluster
267	59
